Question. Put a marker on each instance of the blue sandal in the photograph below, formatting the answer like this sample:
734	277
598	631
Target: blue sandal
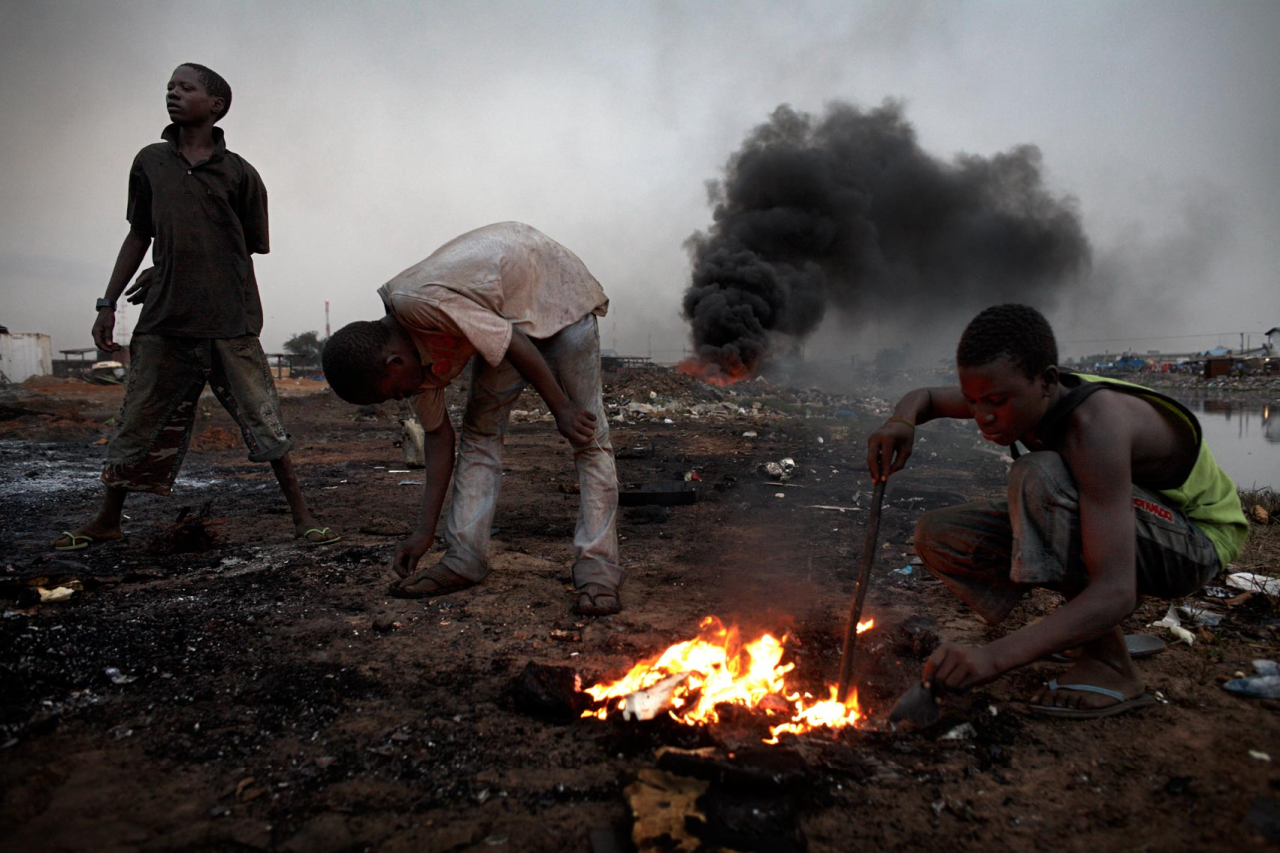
1123	703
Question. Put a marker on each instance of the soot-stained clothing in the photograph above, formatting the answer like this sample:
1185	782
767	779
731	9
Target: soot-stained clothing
205	221
465	297
989	553
200	323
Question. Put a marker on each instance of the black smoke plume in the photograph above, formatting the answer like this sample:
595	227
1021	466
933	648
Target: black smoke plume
847	210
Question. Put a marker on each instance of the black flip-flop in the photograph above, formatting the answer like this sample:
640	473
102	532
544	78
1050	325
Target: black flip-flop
445	582
593	598
1139	646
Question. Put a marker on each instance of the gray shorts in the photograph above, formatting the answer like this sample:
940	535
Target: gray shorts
990	553
166	378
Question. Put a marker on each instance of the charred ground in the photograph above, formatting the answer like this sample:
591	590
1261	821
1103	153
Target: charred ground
217	685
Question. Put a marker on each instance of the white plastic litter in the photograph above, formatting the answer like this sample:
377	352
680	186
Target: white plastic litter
1171	619
1251	582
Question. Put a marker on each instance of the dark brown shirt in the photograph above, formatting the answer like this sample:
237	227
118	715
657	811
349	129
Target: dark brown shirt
205	220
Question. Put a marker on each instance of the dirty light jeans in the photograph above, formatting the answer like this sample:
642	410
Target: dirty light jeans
573	354
991	553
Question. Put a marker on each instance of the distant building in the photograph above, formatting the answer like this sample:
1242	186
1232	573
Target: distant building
25	354
612	362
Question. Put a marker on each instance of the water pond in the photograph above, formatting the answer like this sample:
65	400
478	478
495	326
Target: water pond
1244	437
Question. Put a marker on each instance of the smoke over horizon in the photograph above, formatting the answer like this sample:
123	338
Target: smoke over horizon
847	211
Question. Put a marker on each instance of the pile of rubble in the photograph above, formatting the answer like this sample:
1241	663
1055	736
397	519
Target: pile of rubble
669	396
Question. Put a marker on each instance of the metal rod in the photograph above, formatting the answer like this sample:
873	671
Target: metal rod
864	578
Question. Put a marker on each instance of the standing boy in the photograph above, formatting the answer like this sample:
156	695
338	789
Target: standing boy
205	211
1119	498
526	307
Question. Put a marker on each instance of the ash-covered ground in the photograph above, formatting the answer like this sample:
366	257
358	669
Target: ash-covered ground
213	684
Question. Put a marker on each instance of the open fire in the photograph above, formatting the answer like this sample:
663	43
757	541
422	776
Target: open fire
715	373
694	677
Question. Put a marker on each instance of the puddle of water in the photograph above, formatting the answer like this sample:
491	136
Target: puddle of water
1244	438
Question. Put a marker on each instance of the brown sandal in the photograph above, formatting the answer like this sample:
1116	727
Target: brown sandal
428	583
596	599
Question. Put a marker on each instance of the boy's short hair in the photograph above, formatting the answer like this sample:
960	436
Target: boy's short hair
215	85
352	360
1019	332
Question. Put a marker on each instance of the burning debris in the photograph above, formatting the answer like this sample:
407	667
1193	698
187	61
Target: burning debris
848	210
693	680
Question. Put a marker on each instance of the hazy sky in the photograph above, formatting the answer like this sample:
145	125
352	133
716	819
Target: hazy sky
382	129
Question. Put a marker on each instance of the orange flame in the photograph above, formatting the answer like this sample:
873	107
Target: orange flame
722	669
714	373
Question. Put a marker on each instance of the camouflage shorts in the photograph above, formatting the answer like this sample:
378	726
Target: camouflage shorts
166	378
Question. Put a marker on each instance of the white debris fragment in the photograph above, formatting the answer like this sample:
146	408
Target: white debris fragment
964	731
648	703
118	677
1183	634
1171	619
53	596
1251	582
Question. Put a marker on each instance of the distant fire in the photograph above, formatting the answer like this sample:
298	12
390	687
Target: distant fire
719	668
714	373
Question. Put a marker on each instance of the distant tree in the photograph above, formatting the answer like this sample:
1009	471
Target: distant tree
307	347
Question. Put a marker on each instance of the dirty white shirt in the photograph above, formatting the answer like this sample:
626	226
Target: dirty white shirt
467	295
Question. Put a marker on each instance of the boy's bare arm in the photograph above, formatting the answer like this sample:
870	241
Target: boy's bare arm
574	422
132	251
889	447
438	450
1098	450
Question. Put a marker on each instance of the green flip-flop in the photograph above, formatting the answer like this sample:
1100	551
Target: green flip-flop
79	541
325	534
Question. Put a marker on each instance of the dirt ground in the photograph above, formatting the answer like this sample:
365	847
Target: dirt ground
218	685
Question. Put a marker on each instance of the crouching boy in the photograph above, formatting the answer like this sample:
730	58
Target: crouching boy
526	308
1118	498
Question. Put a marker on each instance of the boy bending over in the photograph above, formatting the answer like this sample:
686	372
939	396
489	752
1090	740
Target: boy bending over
1118	498
526	307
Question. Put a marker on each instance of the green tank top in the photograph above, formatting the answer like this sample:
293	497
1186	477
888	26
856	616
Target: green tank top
1208	497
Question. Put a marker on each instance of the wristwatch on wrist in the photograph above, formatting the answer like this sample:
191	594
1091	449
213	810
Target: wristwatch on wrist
106	303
